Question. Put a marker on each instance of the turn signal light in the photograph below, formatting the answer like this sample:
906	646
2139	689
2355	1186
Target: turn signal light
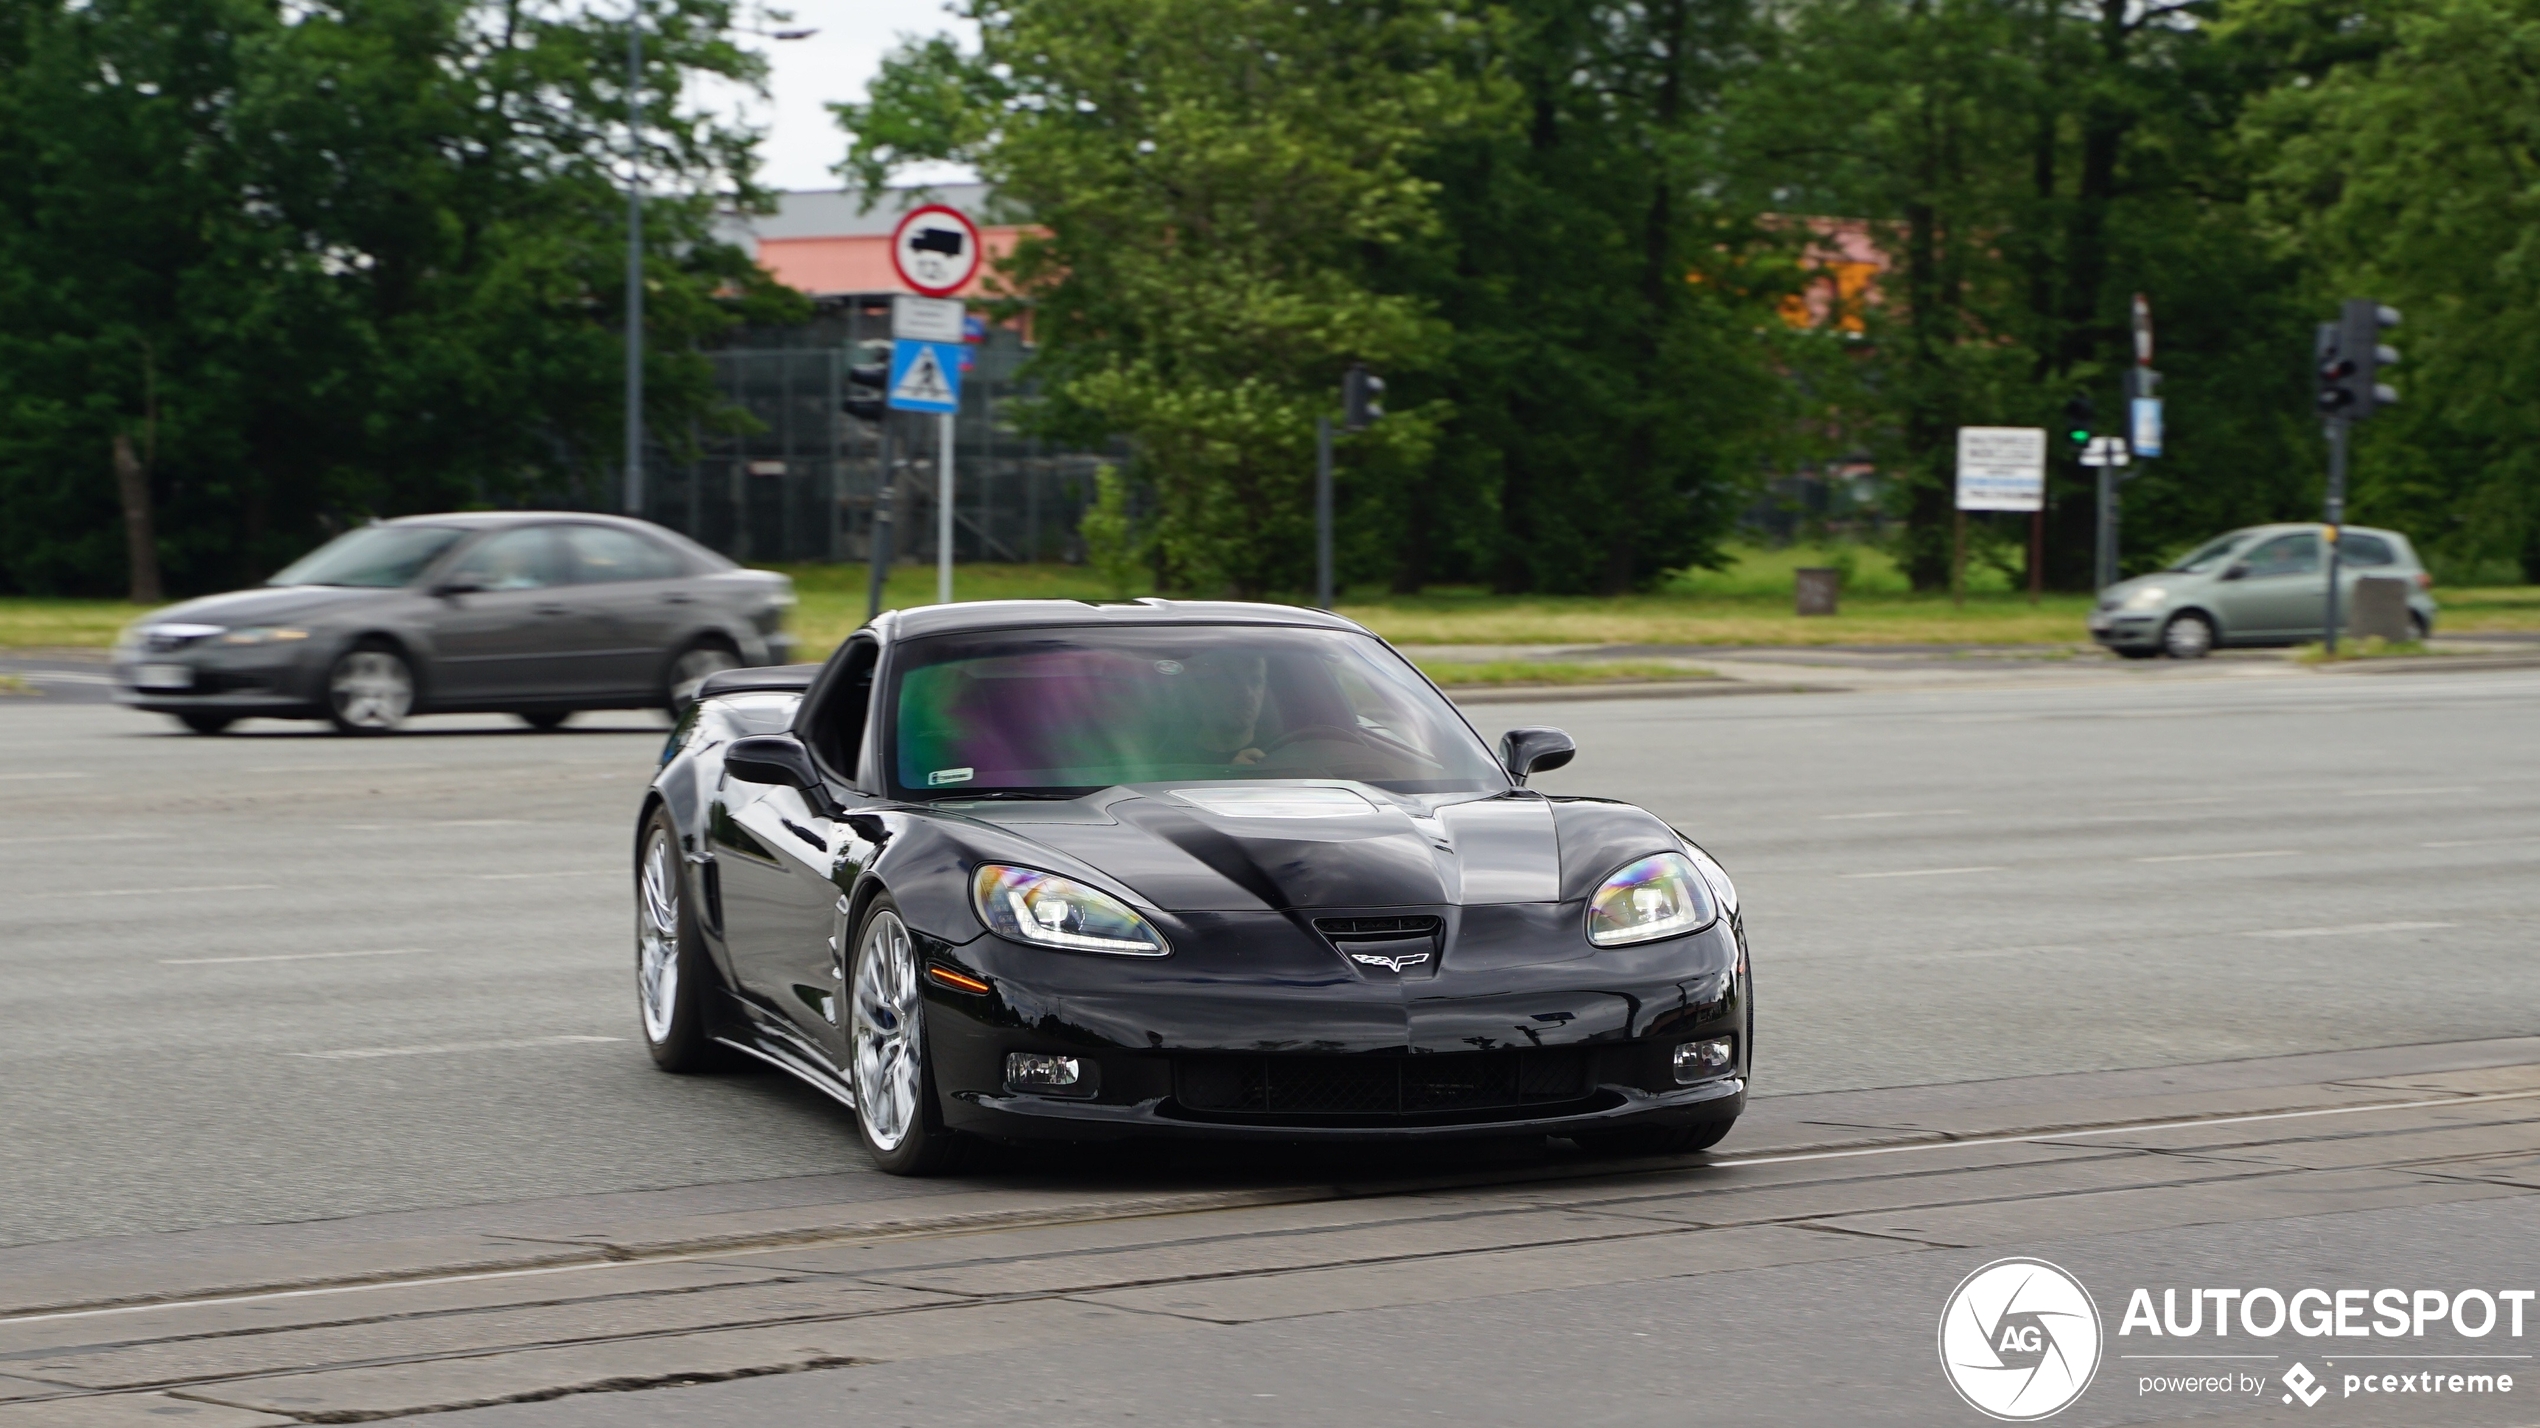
958	981
1700	1060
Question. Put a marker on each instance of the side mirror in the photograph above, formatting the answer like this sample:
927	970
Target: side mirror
456	585
781	760
2237	570
1524	752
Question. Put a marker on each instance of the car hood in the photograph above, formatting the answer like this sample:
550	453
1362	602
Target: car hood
1227	848
266	604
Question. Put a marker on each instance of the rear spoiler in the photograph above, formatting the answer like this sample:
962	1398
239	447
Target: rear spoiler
770	678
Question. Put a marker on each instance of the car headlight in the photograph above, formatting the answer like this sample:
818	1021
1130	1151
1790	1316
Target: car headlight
2146	598
1659	896
262	635
1722	890
1053	911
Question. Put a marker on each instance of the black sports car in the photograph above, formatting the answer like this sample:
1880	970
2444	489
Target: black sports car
1046	869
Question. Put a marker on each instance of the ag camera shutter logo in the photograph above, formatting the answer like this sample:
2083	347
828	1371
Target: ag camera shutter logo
2019	1340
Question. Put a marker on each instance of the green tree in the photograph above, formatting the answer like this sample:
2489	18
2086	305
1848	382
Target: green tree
2401	161
363	255
1211	181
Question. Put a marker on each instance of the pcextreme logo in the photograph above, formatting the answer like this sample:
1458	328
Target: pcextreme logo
2019	1340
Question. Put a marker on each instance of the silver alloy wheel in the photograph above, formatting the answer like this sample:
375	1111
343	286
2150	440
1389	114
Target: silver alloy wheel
657	939
2187	637
371	689
691	670
885	1032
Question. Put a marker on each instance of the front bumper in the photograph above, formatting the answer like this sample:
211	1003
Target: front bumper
2123	629
1294	1052
277	682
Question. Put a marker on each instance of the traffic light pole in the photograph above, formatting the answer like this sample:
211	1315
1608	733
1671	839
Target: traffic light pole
2104	565
2336	518
944	512
1322	513
880	538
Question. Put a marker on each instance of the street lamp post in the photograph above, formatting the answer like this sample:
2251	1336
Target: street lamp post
635	260
634	498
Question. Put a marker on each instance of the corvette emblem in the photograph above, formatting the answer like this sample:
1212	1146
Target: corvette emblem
1390	964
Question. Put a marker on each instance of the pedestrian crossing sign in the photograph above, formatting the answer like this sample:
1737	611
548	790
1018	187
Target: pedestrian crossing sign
925	376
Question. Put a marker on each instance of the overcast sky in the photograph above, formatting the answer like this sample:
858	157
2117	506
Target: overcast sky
802	140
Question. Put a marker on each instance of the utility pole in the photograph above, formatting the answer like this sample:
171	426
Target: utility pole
944	509
880	540
635	259
1322	513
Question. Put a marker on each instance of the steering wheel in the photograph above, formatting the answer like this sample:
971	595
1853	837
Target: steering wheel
1310	731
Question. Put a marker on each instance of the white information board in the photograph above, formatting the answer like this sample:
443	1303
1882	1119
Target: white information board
2001	468
926	319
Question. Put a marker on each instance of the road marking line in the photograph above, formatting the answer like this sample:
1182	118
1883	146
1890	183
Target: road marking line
2350	927
566	873
791	1247
2399	792
339	768
43	775
284	957
1902	813
367	1053
148	892
2213	857
1986	952
477	823
1928	872
79	838
2477	842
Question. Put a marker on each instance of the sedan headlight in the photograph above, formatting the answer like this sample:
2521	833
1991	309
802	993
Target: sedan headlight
262	635
2149	597
1660	896
1045	908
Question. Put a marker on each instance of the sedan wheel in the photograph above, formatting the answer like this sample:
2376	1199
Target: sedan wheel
2188	636
886	1052
668	985
691	669
370	690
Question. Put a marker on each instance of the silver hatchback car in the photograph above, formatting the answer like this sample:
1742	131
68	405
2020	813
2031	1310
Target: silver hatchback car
532	613
2265	585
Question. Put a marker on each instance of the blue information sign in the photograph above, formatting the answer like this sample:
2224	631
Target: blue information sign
925	376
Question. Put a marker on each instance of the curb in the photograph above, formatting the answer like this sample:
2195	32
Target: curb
1663	689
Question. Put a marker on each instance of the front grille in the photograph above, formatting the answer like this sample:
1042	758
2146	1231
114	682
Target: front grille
1350	929
1380	1085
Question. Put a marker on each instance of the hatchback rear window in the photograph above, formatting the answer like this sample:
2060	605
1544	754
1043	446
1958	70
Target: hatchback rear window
2365	550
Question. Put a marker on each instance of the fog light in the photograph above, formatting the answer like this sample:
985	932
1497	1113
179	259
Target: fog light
1060	1075
1698	1059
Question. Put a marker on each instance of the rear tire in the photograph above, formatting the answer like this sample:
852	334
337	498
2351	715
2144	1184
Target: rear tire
206	723
889	1063
691	669
370	689
2188	635
671	976
2128	652
546	721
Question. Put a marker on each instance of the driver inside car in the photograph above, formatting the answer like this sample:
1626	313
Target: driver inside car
1222	698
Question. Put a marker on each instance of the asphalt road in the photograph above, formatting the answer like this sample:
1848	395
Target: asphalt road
303	1010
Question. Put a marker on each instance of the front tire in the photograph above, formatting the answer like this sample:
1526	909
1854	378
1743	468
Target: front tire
206	723
370	689
888	1061
670	971
2188	635
546	721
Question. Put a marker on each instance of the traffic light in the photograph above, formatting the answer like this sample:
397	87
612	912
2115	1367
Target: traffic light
1359	391
868	382
2351	356
2078	415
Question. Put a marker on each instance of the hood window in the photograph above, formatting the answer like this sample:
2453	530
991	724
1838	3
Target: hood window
374	557
1075	710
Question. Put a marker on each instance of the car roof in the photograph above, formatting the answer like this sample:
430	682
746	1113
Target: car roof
1040	614
2283	527
490	520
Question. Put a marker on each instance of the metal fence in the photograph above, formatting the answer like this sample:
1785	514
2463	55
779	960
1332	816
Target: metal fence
799	483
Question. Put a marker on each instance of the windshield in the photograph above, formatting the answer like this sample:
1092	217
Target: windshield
2205	557
380	557
1070	711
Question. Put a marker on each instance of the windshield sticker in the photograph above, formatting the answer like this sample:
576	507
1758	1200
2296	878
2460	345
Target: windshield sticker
940	777
1168	666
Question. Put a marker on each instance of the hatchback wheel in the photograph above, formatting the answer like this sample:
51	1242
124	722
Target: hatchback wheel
369	690
2187	636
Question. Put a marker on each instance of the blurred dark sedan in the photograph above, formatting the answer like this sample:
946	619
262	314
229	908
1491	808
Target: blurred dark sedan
532	613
